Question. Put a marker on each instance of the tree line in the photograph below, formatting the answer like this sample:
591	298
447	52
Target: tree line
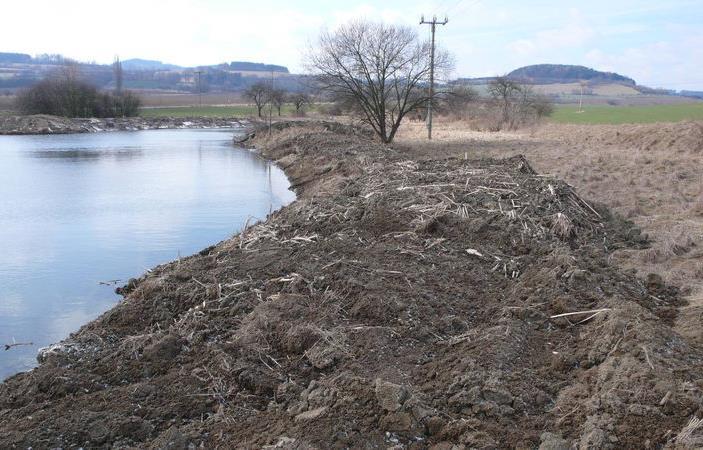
264	94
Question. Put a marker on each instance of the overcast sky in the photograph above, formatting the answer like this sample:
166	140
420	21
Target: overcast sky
659	43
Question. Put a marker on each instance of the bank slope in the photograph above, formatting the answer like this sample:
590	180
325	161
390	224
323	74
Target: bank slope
397	302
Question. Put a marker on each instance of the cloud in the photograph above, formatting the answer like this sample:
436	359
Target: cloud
659	64
484	36
568	36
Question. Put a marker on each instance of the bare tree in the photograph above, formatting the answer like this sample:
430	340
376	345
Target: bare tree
380	68
277	97
119	75
455	99
505	92
259	94
518	104
300	100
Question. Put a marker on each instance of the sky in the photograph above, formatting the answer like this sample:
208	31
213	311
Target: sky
658	43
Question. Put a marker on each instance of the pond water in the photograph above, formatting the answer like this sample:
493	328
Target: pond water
80	211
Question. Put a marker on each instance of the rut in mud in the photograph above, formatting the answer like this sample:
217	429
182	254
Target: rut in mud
415	303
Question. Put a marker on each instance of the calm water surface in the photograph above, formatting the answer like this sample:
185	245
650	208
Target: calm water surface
76	210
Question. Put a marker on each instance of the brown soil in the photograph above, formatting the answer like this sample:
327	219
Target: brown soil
401	302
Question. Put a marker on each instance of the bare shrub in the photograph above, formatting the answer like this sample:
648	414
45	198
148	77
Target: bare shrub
333	109
65	94
518	104
455	101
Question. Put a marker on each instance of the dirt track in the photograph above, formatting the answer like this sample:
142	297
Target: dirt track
399	302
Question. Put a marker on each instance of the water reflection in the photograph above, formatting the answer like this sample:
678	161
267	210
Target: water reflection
76	210
87	154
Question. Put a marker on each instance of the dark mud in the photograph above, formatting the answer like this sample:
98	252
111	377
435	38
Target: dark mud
398	303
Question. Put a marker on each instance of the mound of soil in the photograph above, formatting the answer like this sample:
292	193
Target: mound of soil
397	304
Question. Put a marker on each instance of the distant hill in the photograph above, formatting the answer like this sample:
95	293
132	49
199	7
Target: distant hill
692	94
14	58
18	71
146	64
245	66
564	73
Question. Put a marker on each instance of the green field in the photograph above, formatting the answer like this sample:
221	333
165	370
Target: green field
628	114
210	111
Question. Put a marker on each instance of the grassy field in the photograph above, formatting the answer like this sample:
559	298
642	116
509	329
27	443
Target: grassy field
628	114
211	111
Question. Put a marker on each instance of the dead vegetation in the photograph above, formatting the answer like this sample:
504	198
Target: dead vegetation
647	173
401	301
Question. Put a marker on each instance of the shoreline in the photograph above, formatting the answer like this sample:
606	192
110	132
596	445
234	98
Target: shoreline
395	301
47	125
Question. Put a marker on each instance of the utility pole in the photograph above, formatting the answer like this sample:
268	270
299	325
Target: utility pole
433	24
271	100
200	92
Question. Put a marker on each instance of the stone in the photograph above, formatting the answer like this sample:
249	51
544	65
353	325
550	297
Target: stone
399	421
551	441
389	395
312	414
434	425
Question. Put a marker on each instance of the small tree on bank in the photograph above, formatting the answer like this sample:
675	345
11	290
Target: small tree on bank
277	97
381	69
118	74
259	94
300	100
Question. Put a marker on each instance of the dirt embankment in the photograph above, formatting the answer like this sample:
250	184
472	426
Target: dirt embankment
649	173
43	124
399	303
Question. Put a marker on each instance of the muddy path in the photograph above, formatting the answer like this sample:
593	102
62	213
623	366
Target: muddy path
400	302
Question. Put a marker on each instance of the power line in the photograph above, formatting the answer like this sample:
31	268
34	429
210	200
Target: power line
433	23
454	5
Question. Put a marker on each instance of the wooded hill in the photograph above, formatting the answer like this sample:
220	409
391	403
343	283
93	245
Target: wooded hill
18	70
564	73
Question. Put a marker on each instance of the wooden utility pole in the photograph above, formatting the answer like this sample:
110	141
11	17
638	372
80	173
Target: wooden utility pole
433	24
200	92
270	99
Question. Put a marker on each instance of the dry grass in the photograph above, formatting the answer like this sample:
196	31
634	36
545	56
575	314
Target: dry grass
612	89
648	173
